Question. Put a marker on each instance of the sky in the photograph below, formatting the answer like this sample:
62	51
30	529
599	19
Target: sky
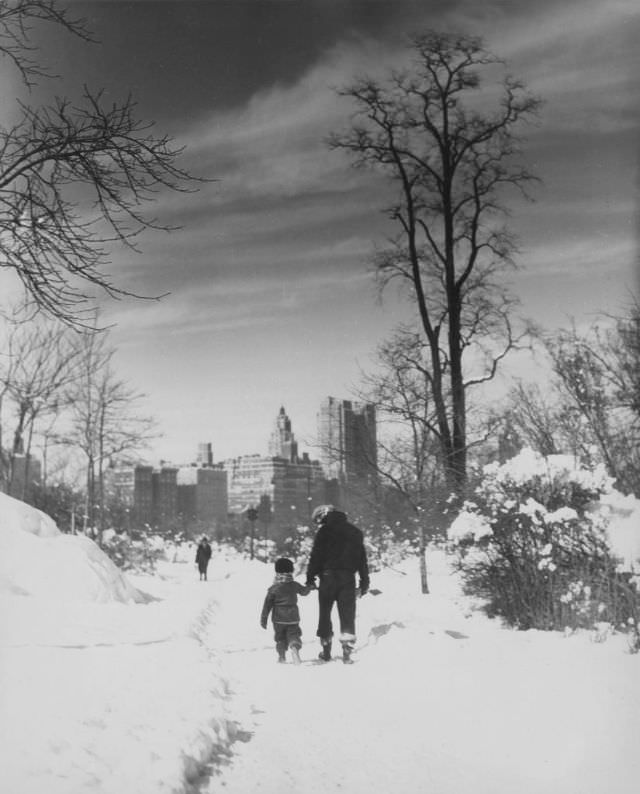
269	296
104	691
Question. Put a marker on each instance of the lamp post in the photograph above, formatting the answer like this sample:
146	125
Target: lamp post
252	516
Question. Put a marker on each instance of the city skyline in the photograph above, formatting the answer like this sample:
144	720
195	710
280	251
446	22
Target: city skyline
282	486
282	441
269	301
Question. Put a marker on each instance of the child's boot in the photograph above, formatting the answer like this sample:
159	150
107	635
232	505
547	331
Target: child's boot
295	655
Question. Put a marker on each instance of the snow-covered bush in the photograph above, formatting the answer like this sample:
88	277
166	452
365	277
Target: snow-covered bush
389	546
297	546
140	554
534	545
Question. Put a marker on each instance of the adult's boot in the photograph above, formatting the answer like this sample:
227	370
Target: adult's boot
325	653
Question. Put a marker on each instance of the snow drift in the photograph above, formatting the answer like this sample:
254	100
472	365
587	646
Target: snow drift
37	559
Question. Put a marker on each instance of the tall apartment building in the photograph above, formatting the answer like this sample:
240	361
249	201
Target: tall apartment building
282	443
205	454
165	496
347	440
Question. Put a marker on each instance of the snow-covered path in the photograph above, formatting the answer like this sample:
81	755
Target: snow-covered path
440	700
182	694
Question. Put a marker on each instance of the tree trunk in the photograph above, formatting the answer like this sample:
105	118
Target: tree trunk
424	584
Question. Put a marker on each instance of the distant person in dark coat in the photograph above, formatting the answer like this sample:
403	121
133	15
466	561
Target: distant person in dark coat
338	553
203	555
282	601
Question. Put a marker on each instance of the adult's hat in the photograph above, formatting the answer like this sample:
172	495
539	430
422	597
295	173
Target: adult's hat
321	512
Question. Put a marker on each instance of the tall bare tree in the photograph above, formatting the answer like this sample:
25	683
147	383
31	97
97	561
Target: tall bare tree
431	130
74	177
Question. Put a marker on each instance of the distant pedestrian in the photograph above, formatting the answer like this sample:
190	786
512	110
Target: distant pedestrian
282	601
203	555
338	553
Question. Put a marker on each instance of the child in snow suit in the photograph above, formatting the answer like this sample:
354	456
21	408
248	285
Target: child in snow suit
282	600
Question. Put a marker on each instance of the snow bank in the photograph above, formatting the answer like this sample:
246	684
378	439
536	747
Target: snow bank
102	690
15	514
36	559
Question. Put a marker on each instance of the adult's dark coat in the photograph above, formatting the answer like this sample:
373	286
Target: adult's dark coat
203	555
338	546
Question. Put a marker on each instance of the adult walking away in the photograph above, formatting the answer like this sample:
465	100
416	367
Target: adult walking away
203	555
338	553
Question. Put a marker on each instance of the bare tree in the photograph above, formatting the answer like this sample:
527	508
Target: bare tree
591	407
531	419
37	367
17	19
105	424
597	378
428	130
74	178
406	457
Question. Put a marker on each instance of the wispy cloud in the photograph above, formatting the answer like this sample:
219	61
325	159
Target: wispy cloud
580	56
580	258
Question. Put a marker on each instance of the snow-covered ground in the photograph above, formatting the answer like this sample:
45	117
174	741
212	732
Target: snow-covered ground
151	684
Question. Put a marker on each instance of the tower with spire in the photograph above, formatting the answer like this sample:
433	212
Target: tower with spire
282	443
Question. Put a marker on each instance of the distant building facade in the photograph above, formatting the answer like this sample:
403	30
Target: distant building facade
24	476
202	496
165	497
149	494
205	454
347	440
191	498
289	484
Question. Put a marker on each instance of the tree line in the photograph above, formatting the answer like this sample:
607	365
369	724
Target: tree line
63	403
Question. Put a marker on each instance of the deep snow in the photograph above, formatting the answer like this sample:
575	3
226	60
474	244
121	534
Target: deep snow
144	685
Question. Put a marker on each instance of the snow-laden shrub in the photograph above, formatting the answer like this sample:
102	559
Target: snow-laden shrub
139	555
534	546
389	546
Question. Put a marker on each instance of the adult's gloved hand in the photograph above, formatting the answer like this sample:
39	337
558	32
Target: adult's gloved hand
263	623
364	588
